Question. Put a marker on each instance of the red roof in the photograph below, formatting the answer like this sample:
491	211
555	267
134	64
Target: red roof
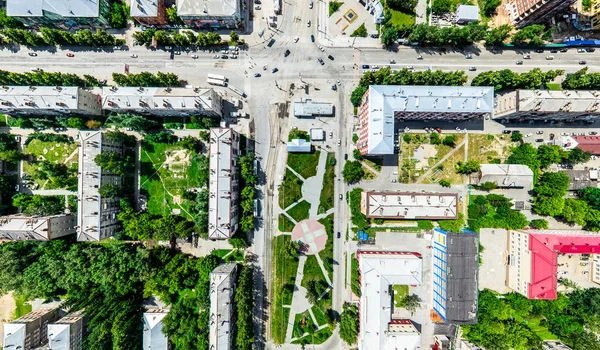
588	143
545	248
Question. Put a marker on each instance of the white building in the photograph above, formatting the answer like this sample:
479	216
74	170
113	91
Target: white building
96	215
409	205
162	101
378	271
506	175
310	109
49	100
222	317
29	331
212	14
68	332
223	183
154	338
467	14
19	227
298	146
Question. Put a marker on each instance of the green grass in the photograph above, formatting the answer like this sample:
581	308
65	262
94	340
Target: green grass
284	275
541	331
400	19
299	211
161	183
334	6
57	153
22	307
220	253
400	291
290	189
319	337
552	86
238	255
326	198
326	254
312	271
285	224
319	315
374	163
360	32
303	323
304	164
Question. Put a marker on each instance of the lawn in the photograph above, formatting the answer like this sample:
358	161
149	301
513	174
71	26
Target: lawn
400	291
304	164
303	324
374	163
165	183
299	211
400	19
290	189
446	170
22	307
319	337
319	315
488	148
285	224
541	331
312	271
282	287
53	152
326	254
327	192
220	253
552	86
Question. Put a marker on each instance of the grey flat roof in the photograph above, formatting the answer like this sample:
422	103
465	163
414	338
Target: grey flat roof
221	296
205	8
410	205
38	228
144	8
506	175
309	108
153	337
158	98
64	8
543	101
467	12
462	269
39	97
298	146
220	201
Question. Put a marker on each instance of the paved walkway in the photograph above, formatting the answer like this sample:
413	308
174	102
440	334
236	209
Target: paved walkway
424	176
299	301
54	192
311	190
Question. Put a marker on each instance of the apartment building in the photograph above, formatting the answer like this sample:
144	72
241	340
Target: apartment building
223	183
43	228
96	215
148	12
527	12
543	105
29	331
154	338
160	101
383	106
222	316
49	100
211	14
409	205
68	332
64	14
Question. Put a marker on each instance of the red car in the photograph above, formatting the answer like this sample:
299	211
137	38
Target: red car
70	55
438	130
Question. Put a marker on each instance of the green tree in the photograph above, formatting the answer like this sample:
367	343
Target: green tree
592	196
244	302
36	205
489	7
353	171
349	323
411	303
442	6
576	156
172	16
552	184
119	15
115	162
497	36
425	224
549	155
110	191
445	183
75	123
455	225
575	211
450	140
469	167
11	156
389	36
524	154
552	206
539	224
407	6
233	36
6	186
516	136
356	154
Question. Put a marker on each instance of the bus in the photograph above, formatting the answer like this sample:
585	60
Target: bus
217	77
216	82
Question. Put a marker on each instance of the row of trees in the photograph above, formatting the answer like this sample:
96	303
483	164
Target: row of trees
534	35
146	79
503	320
582	80
41	78
494	211
184	38
248	193
406	77
427	35
244	302
115	162
48	36
506	79
349	323
546	155
36	205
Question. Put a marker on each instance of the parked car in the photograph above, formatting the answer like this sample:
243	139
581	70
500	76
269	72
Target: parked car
519	63
339	235
472	69
410	67
321	61
341	197
468	56
528	135
257	7
580	50
527	57
582	62
330	57
70	54
549	58
37	70
553	51
539	140
286	53
539	50
419	57
590	49
593	133
365	66
564	50
257	75
32	54
333	87
438	130
339	143
308	23
539	132
312	38
506	132
296	38
224	56
346	156
274	70
133	55
194	57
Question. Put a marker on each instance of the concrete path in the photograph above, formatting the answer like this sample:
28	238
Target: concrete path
323	269
138	161
311	190
54	192
424	176
299	301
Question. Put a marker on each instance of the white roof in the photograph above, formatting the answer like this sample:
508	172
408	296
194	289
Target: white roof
154	338
409	205
14	334
467	12
38	228
317	134
298	146
546	101
378	271
144	8
506	175
39	97
309	108
158	98
221	184
221	296
205	8
59	336
64	8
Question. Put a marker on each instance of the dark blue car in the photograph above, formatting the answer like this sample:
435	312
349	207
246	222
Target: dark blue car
312	38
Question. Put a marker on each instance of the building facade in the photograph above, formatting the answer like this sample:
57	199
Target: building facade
534	105
160	101
211	14
455	269
68	332
96	215
29	331
222	313
383	105
223	184
154	338
63	14
149	12
19	227
49	100
527	12
409	205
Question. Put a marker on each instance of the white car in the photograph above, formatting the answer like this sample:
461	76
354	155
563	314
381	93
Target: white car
410	67
194	56
528	135
580	50
321	48
257	7
308	23
296	39
375	66
339	143
549	58
310	4
234	56
527	57
216	56
331	134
